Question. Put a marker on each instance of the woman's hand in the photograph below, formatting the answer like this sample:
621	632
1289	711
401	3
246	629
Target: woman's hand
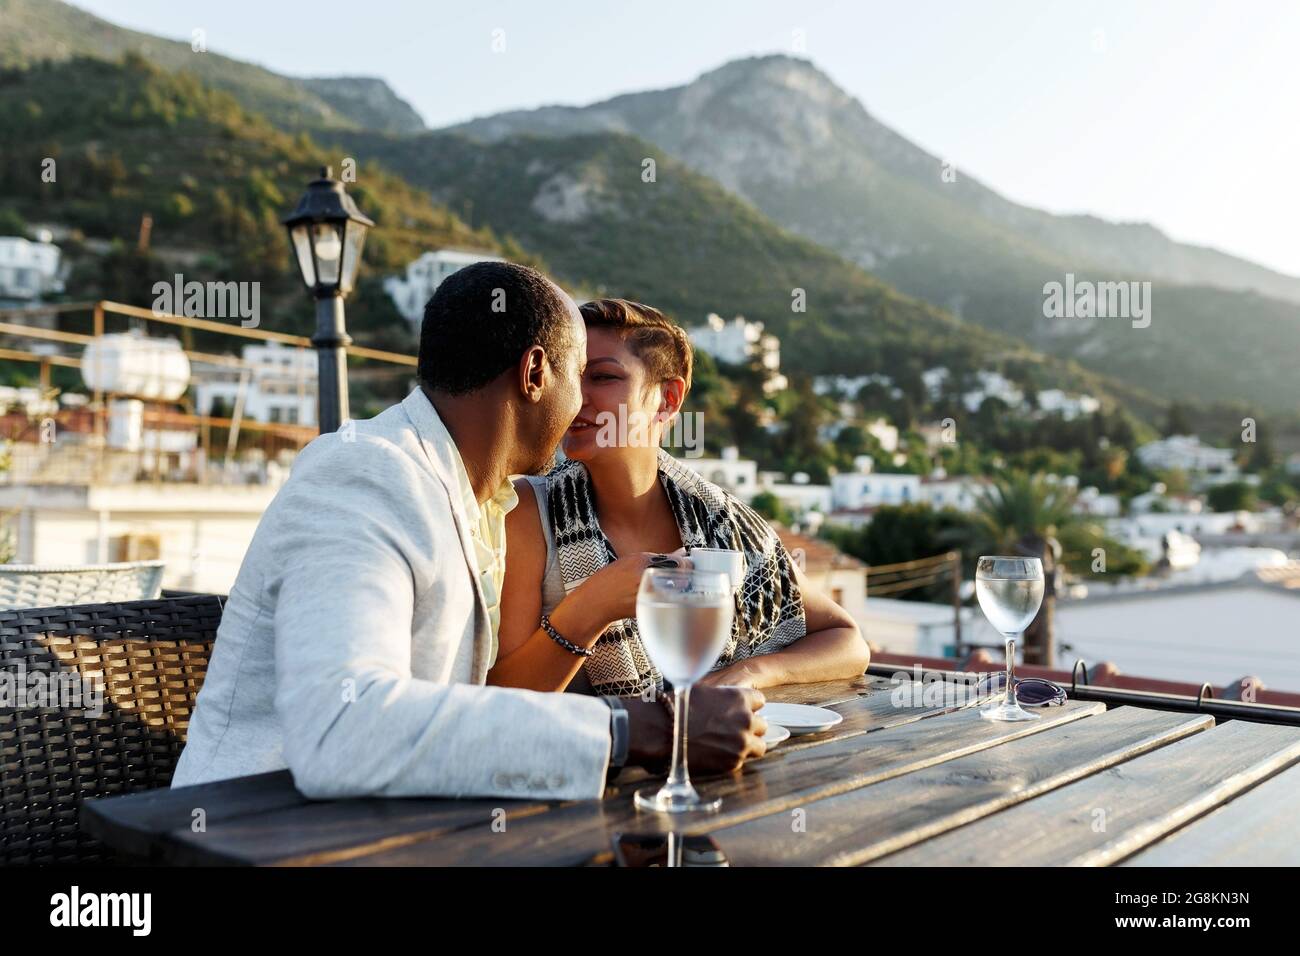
614	586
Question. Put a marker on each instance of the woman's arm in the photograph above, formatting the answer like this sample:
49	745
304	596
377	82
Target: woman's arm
832	649
526	655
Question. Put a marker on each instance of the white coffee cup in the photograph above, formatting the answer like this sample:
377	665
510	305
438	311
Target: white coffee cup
721	560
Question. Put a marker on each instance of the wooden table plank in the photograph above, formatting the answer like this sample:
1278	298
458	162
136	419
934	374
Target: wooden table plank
827	692
580	833
869	822
263	820
1259	828
1113	814
890	705
340	831
336	830
135	823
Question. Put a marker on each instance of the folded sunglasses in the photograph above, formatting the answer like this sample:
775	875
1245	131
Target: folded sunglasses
1030	691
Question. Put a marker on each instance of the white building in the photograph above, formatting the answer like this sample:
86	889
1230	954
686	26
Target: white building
730	472
200	531
737	342
412	291
1156	524
934	379
883	432
855	490
1157	500
1054	401
1187	453
992	385
936	435
279	385
918	628
28	270
1090	501
848	386
961	492
801	497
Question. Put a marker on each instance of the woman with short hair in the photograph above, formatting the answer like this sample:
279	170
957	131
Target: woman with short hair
619	504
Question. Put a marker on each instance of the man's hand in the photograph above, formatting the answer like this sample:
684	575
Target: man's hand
725	730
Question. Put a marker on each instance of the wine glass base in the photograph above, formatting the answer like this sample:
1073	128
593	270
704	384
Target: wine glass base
673	800
1003	710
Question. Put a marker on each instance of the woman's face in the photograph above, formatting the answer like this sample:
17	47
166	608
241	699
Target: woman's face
621	409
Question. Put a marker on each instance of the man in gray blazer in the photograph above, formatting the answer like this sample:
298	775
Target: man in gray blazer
358	634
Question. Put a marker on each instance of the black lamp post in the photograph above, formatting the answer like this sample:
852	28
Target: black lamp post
326	233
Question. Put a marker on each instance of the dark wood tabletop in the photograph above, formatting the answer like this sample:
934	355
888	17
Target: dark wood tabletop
907	778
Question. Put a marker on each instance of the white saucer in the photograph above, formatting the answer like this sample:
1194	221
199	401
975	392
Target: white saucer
775	734
800	718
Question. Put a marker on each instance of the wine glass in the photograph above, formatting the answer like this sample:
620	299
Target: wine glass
684	618
1010	591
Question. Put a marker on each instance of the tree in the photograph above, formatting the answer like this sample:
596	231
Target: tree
12	224
1179	421
1262	455
1022	514
799	444
904	533
1231	496
771	507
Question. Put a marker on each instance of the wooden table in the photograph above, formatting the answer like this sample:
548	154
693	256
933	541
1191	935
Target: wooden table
906	779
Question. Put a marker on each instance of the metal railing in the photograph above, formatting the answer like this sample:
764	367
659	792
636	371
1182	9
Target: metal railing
887	579
82	454
1203	703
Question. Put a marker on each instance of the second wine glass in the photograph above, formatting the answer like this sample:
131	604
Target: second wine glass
1010	591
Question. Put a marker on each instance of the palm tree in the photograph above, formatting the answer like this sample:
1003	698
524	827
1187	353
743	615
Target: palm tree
1021	513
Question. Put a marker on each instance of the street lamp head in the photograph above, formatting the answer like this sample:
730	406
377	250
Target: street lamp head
326	232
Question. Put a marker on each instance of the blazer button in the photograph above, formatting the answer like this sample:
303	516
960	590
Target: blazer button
501	779
519	781
557	781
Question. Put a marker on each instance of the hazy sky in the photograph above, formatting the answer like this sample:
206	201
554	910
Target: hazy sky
1181	112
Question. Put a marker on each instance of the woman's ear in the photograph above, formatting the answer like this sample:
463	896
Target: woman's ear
673	394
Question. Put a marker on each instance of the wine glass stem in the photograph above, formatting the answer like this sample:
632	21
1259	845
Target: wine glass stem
1011	673
678	778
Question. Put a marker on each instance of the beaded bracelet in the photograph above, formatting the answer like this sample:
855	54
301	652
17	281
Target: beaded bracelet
564	642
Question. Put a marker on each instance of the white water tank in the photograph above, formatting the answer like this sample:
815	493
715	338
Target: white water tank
131	364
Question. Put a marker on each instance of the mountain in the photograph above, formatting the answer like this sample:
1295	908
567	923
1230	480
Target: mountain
33	31
367	102
129	139
778	132
685	244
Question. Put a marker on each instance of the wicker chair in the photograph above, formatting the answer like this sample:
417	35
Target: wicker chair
34	585
146	660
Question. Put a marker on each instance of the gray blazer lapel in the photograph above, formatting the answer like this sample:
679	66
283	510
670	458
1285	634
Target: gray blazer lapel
438	448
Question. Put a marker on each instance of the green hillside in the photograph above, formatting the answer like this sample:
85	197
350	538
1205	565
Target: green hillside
130	139
36	31
686	245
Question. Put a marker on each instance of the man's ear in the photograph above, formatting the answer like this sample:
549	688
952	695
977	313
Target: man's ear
674	393
533	372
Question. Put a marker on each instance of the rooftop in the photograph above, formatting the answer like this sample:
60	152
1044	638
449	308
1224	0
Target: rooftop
819	555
